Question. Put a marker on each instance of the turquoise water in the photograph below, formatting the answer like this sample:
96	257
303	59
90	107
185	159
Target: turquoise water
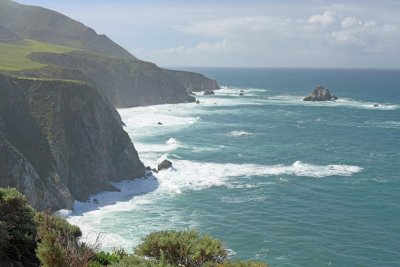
278	179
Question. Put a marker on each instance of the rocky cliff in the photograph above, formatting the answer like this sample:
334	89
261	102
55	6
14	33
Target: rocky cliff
124	82
60	141
194	82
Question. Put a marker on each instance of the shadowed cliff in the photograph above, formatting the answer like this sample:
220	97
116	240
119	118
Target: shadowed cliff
59	141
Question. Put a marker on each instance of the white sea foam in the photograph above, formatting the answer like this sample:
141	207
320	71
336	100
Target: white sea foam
143	196
341	102
235	91
385	124
238	133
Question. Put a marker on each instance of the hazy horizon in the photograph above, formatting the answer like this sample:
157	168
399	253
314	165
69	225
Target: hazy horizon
253	34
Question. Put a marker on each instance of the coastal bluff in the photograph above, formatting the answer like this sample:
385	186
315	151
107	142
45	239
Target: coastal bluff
60	141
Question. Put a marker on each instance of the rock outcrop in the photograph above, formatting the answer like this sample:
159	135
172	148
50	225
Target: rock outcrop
320	93
59	142
194	82
209	92
165	164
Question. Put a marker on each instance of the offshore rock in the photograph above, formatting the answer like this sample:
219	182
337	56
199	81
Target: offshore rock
209	92
165	164
320	93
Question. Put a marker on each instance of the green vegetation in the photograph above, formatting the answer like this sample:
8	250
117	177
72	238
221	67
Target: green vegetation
34	239
184	248
17	227
13	55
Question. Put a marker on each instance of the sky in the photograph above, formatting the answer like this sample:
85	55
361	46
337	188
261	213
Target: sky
274	33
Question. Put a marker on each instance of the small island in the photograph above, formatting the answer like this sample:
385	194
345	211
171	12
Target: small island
320	93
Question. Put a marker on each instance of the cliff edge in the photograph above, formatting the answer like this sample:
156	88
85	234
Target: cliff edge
60	141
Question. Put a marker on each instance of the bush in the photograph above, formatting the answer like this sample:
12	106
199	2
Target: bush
17	227
45	221
106	258
135	261
182	248
58	245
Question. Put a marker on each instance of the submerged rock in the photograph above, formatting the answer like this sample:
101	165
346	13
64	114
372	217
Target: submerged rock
197	101
209	92
165	164
320	93
159	123
241	94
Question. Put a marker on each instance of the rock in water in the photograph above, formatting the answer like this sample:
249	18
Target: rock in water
320	93
165	164
209	92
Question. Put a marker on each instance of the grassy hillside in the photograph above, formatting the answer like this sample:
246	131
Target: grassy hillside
41	24
13	55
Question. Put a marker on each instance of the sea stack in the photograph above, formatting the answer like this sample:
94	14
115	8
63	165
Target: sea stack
320	93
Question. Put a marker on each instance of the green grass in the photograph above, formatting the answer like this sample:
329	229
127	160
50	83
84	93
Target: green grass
13	55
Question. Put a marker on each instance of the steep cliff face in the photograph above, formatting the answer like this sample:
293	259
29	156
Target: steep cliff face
60	141
194	82
125	83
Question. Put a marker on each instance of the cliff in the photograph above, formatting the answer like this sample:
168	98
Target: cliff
119	76
194	82
124	82
60	141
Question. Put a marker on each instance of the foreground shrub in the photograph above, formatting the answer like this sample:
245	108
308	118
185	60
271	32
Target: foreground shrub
58	245
182	248
106	258
17	227
137	261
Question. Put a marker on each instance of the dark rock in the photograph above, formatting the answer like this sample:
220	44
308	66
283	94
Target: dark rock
209	92
194	82
197	101
165	164
159	123
376	105
320	93
241	94
60	142
241	91
148	168
154	170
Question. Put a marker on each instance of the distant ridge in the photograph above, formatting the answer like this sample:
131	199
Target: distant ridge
70	50
46	25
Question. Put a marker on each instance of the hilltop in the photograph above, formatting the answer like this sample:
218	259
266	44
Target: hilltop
70	50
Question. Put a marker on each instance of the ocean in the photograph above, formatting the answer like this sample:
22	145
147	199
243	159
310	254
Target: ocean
280	180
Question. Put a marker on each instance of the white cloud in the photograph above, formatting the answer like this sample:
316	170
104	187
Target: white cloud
231	26
224	46
349	22
338	32
327	18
